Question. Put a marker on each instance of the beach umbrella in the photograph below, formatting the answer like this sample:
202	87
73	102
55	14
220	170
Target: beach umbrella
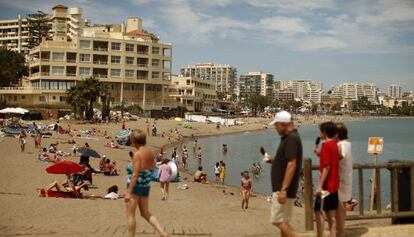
88	152
65	167
11	111
123	134
22	110
178	119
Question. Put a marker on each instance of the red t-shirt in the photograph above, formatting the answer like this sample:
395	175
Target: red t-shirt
329	156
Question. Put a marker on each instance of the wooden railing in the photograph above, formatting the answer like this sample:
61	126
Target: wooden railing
394	168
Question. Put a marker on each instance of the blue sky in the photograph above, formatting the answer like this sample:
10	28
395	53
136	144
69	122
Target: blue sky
323	40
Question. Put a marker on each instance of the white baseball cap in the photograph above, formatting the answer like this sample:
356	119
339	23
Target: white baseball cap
282	117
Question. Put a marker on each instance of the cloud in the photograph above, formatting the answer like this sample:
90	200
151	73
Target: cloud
284	24
285	5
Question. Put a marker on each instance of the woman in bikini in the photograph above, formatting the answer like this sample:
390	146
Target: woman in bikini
138	190
246	187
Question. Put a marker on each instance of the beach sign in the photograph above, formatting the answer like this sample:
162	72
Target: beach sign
375	145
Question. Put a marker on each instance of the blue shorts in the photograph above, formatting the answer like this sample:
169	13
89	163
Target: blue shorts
141	191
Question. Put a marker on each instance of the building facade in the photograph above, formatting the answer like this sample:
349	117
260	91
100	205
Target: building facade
255	83
14	35
196	94
353	91
133	63
224	75
395	91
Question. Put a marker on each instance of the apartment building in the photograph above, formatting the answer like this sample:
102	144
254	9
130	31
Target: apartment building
196	94
14	34
134	63
224	75
354	91
255	83
395	91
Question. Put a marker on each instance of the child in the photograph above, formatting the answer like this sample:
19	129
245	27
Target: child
217	172
222	172
329	179
246	187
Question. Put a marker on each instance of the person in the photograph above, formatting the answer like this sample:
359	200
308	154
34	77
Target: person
138	190
148	126
217	172
199	154
345	177
174	155
67	186
164	177
36	133
200	176
185	157
22	139
224	149
123	124
246	187
222	172
328	181
56	128
285	172
129	169
195	145
154	130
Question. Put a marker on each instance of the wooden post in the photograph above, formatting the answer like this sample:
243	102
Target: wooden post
308	194
394	181
378	189
412	187
361	191
373	183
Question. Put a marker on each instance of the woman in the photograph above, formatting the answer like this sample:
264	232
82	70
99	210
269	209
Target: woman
138	191
345	176
246	187
22	139
164	176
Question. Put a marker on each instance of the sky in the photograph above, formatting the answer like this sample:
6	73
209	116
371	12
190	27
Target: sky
330	41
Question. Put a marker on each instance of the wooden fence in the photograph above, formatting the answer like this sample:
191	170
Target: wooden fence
362	213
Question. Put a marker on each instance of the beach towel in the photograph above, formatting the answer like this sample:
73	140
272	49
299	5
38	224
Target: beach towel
58	194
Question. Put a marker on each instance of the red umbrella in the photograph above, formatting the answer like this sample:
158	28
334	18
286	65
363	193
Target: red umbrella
65	167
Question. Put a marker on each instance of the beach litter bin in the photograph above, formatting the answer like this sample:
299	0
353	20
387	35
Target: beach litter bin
404	194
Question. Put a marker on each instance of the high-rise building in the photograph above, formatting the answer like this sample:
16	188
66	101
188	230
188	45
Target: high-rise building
353	91
224	75
134	63
395	91
255	83
14	35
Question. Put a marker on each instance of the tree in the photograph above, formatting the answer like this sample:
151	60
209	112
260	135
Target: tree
39	27
12	67
258	103
364	104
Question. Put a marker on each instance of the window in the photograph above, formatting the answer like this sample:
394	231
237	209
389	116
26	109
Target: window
58	70
84	71
85	44
84	57
129	60
129	47
116	46
42	98
129	73
155	75
58	56
167	52
155	50
116	59
62	98
53	97
155	62
115	72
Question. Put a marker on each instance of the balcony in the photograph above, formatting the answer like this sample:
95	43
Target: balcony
142	65
100	76
100	49
100	62
45	59
71	60
69	74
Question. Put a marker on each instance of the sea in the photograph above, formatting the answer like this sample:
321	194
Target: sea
243	151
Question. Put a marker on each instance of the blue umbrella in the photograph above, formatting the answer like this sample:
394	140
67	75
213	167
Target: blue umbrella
88	152
123	134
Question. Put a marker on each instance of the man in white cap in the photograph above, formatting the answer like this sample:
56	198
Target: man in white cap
285	173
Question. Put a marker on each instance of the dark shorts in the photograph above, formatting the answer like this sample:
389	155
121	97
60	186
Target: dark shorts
330	203
141	191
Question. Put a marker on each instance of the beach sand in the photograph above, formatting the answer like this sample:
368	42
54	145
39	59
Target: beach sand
201	210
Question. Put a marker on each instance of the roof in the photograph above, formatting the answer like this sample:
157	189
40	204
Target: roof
60	6
141	33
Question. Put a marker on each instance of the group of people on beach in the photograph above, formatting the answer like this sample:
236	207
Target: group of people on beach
334	190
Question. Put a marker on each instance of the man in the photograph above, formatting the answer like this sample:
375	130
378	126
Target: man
200	176
285	173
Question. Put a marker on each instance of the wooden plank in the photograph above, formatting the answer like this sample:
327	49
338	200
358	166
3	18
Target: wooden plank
394	181
308	195
361	190
383	215
378	189
405	164
412	187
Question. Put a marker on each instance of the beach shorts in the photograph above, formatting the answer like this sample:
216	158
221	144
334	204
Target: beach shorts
141	191
281	212
329	203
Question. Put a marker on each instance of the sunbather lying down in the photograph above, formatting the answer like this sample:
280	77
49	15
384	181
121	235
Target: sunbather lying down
46	157
67	186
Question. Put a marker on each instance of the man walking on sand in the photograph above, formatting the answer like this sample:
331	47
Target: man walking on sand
285	173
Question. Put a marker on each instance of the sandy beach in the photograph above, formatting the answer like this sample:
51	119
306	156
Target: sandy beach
201	210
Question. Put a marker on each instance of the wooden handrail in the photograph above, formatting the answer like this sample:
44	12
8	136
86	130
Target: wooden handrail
395	212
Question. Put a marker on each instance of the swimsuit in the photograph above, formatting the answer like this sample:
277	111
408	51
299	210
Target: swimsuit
129	174
142	188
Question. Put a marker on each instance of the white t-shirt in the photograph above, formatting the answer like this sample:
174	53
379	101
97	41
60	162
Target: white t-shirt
345	171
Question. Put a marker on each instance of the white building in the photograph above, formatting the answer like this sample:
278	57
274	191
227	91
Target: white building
395	90
224	75
14	35
255	83
303	89
353	91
